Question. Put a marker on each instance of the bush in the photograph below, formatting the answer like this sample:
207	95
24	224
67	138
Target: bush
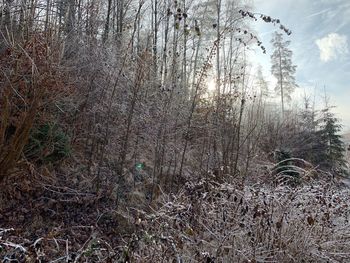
286	168
47	144
30	82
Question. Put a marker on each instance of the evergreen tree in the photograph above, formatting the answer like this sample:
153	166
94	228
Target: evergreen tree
305	143
331	148
282	68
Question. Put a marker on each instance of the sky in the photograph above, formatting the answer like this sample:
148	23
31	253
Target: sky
320	42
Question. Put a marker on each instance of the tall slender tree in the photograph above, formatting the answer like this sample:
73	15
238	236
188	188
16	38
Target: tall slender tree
107	22
283	68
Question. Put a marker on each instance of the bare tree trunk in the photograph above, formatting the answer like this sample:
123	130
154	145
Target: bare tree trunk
22	16
164	65
218	28
218	84
70	17
193	106
79	17
120	19
6	17
155	39
184	60
281	82
106	30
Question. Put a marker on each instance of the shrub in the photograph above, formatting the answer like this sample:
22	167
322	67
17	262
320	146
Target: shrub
30	81
47	144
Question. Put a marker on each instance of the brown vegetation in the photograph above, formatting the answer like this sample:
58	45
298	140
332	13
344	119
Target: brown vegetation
113	150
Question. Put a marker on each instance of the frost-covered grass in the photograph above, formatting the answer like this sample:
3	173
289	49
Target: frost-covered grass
210	222
204	222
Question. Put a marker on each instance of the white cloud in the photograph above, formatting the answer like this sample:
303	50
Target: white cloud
332	46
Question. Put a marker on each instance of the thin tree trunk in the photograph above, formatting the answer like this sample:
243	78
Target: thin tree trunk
281	82
106	31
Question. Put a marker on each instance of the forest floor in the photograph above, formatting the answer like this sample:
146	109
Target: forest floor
204	221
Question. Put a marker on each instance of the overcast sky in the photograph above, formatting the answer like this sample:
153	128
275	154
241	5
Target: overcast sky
320	43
